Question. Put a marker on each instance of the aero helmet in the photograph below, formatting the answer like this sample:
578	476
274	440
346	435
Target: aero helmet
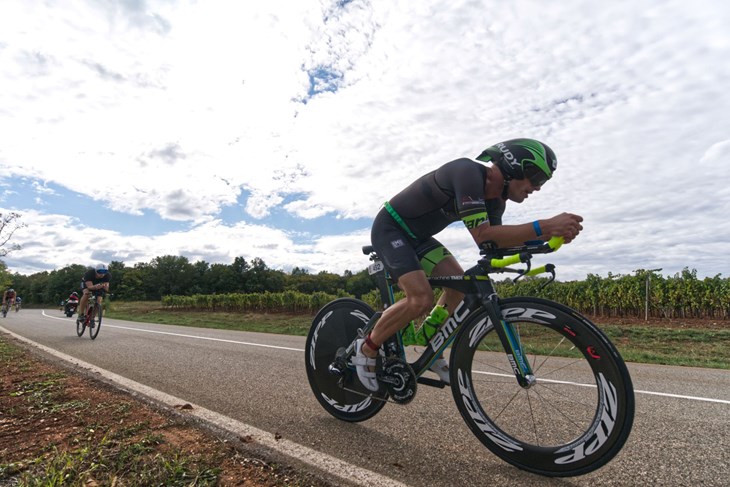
522	159
101	269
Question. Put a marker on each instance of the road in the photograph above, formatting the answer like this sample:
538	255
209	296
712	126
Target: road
681	433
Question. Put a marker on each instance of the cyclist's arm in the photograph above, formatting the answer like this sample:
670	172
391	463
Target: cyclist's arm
503	235
566	225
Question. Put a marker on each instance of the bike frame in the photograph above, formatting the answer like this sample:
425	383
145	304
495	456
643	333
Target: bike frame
479	292
92	303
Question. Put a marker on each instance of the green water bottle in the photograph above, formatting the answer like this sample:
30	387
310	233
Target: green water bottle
411	336
431	324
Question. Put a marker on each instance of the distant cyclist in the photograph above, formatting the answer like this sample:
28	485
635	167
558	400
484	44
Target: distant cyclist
18	302
8	298
461	190
94	279
73	300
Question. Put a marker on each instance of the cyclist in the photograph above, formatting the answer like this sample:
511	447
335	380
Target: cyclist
18	302
8	298
95	279
73	299
466	190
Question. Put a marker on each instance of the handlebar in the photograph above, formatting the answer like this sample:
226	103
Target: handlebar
501	258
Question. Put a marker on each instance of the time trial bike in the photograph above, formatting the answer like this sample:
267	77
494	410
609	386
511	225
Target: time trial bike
92	317
540	385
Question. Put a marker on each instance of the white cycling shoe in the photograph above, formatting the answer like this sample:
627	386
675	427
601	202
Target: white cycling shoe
441	368
362	364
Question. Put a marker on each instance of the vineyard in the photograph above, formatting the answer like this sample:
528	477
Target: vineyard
267	302
681	296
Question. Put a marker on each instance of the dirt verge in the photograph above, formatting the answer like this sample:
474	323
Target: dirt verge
62	428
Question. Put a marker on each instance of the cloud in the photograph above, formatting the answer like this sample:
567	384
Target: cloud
213	242
324	109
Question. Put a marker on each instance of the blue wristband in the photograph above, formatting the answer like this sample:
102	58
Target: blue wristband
536	226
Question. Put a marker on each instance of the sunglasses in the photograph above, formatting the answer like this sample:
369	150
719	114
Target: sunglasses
536	175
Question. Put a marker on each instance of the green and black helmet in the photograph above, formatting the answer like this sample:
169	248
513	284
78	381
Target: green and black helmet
522	159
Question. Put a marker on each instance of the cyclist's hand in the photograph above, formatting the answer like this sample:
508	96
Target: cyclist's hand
566	225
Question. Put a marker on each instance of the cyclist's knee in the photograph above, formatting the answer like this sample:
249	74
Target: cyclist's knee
420	303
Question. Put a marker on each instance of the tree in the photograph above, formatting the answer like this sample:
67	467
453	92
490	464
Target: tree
62	282
359	284
171	274
9	224
223	279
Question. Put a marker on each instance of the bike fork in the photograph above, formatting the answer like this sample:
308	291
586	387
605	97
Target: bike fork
511	343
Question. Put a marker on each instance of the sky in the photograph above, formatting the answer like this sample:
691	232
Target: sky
276	129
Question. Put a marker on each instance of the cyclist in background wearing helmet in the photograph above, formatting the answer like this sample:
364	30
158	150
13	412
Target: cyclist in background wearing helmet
475	192
8	298
73	299
95	279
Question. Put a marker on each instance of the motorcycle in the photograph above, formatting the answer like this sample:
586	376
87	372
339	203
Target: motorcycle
70	308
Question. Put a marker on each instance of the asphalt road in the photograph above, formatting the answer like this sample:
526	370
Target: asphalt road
681	432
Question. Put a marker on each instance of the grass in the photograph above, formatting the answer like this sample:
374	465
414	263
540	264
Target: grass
61	430
109	460
151	312
93	445
672	346
696	347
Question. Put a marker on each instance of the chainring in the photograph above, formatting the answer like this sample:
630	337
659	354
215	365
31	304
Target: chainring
399	379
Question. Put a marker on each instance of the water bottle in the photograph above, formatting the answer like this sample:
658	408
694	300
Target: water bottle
411	336
421	336
431	324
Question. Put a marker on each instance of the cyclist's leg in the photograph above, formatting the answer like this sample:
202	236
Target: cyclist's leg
92	310
417	301
98	300
400	255
450	298
81	310
448	266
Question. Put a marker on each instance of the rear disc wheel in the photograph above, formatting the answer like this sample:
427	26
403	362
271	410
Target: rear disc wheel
334	328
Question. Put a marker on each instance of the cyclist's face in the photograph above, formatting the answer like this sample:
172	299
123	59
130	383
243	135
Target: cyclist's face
520	189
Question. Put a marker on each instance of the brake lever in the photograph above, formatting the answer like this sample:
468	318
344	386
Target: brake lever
523	272
552	277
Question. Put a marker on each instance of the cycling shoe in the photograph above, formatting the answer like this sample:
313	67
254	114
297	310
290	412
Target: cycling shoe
364	366
441	368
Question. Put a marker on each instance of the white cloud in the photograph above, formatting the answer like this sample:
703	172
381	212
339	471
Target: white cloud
72	242
181	107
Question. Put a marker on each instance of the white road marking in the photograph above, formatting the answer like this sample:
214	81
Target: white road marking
663	394
196	337
636	391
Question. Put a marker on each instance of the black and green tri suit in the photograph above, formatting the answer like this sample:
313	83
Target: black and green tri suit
402	233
